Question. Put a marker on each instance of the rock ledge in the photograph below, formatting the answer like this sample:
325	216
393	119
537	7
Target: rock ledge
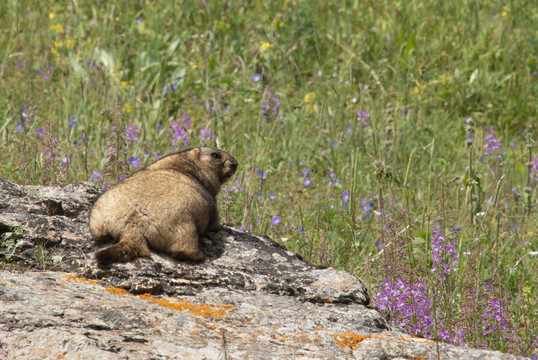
250	299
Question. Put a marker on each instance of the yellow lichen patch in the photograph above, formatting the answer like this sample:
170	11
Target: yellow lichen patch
305	337
78	279
353	341
350	340
118	291
218	311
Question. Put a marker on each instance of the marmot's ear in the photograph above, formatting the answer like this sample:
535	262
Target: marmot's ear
195	153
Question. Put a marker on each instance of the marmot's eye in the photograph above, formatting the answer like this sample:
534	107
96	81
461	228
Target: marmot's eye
216	155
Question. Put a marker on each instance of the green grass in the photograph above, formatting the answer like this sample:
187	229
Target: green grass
442	61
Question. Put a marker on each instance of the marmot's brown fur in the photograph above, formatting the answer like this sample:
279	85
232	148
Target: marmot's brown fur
165	206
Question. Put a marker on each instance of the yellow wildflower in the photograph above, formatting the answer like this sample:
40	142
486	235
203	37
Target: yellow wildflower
264	49
51	16
309	100
310	97
57	27
265	46
123	84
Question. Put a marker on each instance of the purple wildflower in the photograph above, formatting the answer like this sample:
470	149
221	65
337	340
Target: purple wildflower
205	135
363	118
261	173
345	200
334	179
492	144
256	77
71	122
405	111
96	176
345	197
368	206
178	130
40	132
134	161
132	132
276	220
21	63
307	181
116	143
46	74
408	304
534	169
66	160
444	254
138	20
270	107
272	196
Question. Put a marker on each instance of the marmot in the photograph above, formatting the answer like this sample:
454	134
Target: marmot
165	206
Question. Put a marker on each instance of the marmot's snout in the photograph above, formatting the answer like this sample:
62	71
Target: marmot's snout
230	167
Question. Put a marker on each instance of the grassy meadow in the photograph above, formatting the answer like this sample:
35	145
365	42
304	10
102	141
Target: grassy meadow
394	139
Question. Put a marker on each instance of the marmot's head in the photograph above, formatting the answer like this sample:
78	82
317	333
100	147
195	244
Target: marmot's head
216	161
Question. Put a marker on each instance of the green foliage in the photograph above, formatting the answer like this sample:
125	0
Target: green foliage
413	71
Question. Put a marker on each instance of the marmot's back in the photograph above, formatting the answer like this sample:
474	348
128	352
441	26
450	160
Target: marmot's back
165	206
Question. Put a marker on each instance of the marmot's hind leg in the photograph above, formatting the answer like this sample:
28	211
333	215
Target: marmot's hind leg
186	244
130	246
215	225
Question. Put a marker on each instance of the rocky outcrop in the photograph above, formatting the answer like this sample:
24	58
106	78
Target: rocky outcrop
249	299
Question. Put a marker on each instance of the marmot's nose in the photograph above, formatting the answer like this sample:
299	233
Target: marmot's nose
233	166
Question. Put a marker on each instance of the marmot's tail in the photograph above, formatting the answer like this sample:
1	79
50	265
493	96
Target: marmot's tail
129	247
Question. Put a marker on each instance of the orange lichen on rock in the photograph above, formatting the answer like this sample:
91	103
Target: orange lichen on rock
78	279
306	337
116	290
353	341
350	340
218	311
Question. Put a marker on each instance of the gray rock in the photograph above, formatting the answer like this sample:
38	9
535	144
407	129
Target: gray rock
249	299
